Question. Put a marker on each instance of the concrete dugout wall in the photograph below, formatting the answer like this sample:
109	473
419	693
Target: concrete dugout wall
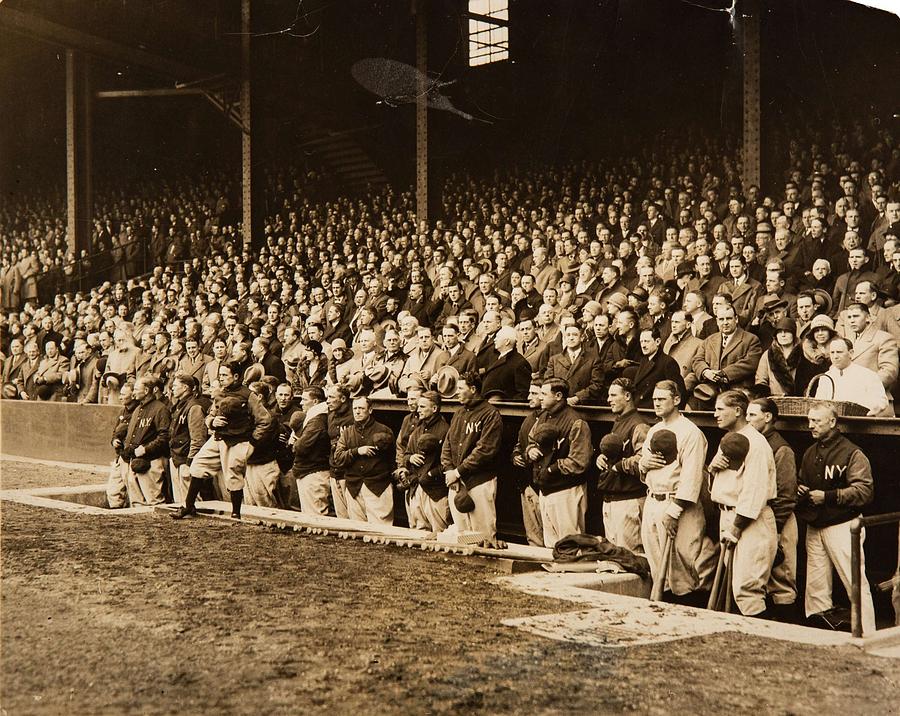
57	431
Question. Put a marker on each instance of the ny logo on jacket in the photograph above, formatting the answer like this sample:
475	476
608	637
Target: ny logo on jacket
473	427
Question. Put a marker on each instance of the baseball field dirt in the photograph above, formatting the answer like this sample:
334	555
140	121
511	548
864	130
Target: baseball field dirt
107	615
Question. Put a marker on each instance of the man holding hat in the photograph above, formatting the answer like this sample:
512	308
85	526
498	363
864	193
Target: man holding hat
762	414
673	470
620	482
559	448
454	353
365	451
146	444
188	431
468	458
422	460
728	359
743	483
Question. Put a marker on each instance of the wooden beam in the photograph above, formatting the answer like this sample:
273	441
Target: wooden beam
53	33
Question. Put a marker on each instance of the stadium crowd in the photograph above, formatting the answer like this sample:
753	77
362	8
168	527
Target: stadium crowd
653	282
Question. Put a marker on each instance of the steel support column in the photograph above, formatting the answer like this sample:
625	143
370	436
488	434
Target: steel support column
79	197
421	111
246	134
749	25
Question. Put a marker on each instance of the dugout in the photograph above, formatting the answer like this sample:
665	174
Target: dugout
81	433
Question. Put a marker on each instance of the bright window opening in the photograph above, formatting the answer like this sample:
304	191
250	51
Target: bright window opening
488	31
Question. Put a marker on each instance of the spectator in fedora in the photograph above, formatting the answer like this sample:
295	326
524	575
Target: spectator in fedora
770	310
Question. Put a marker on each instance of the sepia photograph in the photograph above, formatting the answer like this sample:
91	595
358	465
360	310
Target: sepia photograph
449	357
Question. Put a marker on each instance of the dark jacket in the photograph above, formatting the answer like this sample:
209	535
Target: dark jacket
120	429
148	426
842	470
649	372
622	481
567	463
509	374
188	429
430	476
473	442
247	422
525	476
337	422
584	376
374	471
785	500
312	446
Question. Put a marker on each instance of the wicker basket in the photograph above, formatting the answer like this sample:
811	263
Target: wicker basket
796	405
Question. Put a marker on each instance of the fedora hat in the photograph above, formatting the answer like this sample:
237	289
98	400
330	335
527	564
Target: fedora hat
355	383
771	302
705	392
377	375
823	300
407	382
445	381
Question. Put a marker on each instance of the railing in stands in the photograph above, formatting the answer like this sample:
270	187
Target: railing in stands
119	264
